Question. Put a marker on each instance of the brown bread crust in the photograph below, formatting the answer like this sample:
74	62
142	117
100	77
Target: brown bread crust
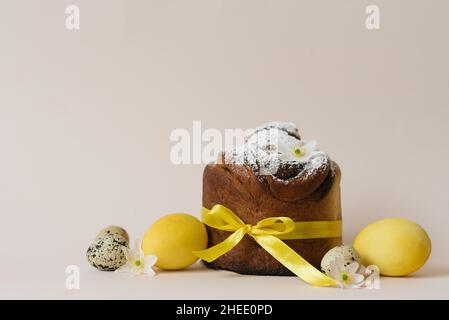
254	198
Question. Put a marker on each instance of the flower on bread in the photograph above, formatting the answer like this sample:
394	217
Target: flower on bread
300	151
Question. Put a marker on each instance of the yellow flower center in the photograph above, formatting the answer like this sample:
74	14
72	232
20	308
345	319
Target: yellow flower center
345	277
298	152
137	263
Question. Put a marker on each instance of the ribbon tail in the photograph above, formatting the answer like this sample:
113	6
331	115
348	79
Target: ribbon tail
212	253
293	261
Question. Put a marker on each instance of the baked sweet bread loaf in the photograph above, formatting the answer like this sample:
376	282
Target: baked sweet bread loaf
274	173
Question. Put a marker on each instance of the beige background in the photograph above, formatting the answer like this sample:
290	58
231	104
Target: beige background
85	119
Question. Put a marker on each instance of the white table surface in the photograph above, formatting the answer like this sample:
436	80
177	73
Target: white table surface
199	282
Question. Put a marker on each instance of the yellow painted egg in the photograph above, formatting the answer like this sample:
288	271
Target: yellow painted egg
173	238
397	246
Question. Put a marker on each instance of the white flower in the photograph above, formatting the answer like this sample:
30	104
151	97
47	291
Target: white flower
346	276
136	261
299	152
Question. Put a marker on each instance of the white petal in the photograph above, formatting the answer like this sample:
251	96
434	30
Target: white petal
150	261
334	271
352	268
127	252
137	245
149	271
362	270
130	255
311	145
357	278
141	256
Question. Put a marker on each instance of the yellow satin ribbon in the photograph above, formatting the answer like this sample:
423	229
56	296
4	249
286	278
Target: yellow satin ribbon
268	234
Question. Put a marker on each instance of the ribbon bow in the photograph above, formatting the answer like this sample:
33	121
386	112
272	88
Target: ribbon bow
268	234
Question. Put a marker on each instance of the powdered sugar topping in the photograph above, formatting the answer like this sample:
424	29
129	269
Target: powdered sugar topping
276	149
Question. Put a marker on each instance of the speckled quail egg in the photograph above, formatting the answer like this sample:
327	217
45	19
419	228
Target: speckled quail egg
346	253
114	229
105	253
